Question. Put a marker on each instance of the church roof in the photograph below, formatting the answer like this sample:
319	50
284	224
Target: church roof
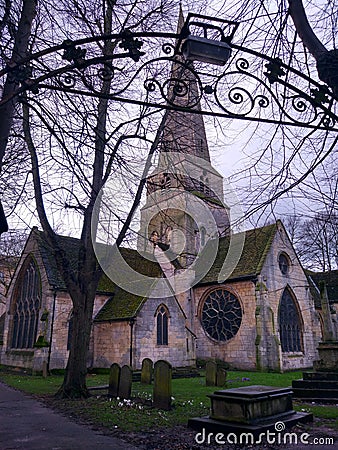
121	306
184	131
71	246
255	249
331	281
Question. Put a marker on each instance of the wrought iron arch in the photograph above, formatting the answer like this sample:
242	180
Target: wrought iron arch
290	323
251	86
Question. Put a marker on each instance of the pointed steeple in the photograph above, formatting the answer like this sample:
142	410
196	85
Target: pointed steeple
184	132
183	174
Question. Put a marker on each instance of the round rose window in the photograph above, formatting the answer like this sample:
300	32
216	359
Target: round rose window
221	315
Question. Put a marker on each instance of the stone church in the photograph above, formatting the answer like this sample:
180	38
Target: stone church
243	298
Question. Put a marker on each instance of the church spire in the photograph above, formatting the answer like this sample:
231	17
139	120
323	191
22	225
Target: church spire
184	132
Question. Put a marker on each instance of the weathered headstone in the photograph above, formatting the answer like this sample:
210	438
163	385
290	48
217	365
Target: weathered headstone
147	371
114	380
210	373
126	380
162	385
221	376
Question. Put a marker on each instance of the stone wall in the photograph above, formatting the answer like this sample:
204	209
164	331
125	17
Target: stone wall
33	358
257	343
25	358
240	350
180	350
62	317
111	343
270	288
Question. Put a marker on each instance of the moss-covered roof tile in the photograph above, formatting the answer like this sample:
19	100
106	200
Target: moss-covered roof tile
71	246
121	306
256	246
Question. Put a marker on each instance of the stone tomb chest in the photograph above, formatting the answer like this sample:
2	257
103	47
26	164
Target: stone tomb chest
252	409
250	404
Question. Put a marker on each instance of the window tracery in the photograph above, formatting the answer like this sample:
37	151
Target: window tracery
290	328
221	315
27	307
162	326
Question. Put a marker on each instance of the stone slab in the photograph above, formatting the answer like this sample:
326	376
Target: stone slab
250	404
253	392
330	376
216	426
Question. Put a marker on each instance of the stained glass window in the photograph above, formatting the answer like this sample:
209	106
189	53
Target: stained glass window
27	305
221	315
162	326
290	328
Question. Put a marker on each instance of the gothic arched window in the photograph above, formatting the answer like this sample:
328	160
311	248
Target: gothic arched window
290	328
162	326
27	306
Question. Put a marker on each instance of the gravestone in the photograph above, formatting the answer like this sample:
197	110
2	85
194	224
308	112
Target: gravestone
126	379
147	371
114	380
210	373
162	385
221	377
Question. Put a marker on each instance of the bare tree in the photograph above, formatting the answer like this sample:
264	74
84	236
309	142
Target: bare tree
21	38
87	143
318	242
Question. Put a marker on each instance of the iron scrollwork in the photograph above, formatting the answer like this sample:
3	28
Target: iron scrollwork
253	86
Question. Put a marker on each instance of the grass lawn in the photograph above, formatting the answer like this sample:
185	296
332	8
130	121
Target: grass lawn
189	399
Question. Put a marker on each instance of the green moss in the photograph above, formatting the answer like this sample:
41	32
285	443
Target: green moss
261	287
256	246
41	342
201	195
122	305
44	316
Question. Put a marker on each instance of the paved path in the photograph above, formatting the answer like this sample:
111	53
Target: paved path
27	424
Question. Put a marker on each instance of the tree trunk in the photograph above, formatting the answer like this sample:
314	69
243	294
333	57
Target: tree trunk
11	84
74	383
83	296
327	60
